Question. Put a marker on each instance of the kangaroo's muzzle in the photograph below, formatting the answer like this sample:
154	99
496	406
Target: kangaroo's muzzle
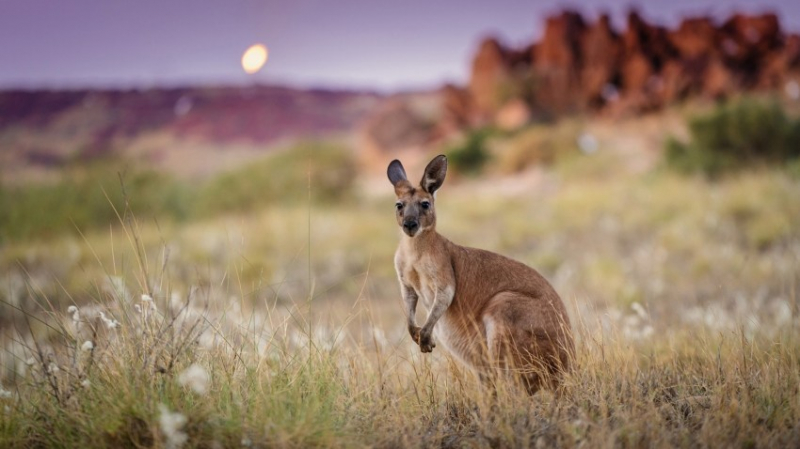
410	227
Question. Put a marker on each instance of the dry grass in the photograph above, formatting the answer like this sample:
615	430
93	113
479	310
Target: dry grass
292	378
682	292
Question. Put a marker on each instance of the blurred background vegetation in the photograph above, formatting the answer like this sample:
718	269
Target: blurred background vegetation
95	195
741	133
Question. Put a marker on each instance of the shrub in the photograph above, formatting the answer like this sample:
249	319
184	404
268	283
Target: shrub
537	145
470	155
87	196
734	135
327	169
83	198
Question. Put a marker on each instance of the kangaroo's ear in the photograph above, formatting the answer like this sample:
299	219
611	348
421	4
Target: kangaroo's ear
434	174
396	172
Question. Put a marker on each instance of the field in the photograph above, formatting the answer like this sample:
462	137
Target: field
282	325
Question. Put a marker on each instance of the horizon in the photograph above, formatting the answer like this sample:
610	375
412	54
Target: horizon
366	47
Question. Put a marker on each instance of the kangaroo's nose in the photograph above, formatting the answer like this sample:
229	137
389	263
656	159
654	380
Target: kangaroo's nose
410	225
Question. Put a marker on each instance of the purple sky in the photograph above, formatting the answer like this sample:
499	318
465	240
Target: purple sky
378	44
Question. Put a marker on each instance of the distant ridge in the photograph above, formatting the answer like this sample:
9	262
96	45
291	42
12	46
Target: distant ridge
51	127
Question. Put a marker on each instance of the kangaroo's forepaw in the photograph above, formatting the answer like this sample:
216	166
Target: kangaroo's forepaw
426	343
414	331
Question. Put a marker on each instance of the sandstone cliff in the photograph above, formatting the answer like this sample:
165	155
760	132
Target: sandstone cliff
580	66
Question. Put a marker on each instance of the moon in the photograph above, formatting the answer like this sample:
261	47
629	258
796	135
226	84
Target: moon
254	58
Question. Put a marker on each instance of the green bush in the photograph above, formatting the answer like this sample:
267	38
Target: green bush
327	169
470	155
83	198
537	145
87	196
737	134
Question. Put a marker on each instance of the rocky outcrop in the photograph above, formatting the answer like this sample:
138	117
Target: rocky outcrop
602	53
491	72
580	66
457	107
557	64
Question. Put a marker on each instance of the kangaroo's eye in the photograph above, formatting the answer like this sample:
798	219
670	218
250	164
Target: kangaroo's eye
425	205
399	206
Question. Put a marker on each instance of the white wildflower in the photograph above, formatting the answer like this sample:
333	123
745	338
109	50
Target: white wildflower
639	310
4	394
324	338
87	346
76	314
53	368
207	339
783	313
380	337
196	378
297	339
110	322
171	424
85	383
176	301
147	305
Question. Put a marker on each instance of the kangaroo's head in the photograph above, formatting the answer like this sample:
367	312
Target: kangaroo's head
415	205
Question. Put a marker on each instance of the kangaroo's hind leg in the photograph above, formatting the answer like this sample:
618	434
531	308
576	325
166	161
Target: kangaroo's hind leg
503	361
523	344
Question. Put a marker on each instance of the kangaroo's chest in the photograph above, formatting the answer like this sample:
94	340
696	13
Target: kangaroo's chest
421	275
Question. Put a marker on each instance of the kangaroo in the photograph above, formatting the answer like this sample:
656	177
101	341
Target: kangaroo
494	314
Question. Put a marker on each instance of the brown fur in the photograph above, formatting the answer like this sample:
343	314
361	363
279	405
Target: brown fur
495	314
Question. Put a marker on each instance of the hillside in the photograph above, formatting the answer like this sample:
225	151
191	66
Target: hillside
186	130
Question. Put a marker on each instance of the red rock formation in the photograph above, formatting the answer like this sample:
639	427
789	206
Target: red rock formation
752	41
578	66
490	72
557	63
696	38
457	108
602	52
648	40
